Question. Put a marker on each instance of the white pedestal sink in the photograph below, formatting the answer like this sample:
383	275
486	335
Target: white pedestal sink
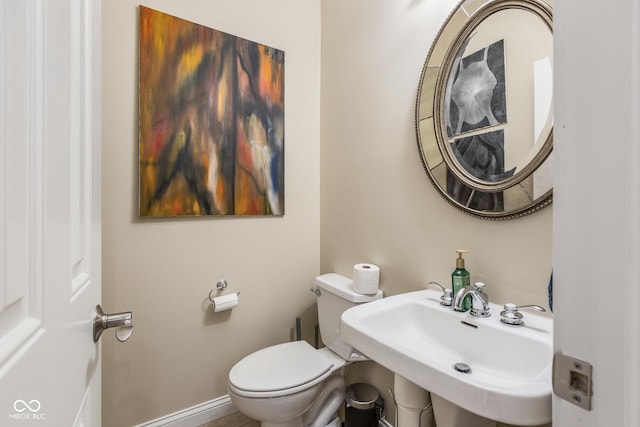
414	336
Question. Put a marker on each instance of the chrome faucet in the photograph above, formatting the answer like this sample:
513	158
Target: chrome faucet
479	300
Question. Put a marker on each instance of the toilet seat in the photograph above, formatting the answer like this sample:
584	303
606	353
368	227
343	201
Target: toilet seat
279	370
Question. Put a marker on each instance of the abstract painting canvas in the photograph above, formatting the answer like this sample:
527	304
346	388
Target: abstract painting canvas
211	121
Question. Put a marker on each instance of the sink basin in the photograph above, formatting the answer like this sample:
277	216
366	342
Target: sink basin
414	336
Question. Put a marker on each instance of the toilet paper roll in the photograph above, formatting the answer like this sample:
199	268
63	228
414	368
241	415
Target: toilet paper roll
225	302
366	278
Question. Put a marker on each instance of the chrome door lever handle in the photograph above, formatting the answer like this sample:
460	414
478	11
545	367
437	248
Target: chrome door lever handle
122	321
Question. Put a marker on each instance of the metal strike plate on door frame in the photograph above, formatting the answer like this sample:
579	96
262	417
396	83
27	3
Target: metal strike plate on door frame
572	380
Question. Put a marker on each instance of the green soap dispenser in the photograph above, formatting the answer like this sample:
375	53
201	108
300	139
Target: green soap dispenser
461	278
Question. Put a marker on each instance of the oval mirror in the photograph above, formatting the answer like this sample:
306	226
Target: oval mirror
484	114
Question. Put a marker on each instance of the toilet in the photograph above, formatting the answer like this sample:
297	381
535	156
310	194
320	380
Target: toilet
294	384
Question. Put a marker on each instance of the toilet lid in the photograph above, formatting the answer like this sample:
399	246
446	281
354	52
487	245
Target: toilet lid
279	367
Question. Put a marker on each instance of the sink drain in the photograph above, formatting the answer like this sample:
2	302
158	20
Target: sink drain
462	367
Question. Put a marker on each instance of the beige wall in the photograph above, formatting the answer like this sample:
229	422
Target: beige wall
162	270
377	204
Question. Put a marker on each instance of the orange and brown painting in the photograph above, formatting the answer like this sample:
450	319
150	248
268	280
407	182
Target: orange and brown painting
211	121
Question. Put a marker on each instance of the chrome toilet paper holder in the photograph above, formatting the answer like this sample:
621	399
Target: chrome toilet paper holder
221	285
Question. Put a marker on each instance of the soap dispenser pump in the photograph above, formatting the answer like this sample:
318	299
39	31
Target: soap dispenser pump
461	278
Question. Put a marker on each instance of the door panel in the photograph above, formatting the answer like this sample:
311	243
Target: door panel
21	193
597	205
49	212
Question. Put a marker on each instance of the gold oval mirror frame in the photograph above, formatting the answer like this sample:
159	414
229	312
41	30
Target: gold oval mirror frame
484	113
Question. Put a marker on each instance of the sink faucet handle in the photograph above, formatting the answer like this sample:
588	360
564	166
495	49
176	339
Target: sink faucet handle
533	306
447	294
511	316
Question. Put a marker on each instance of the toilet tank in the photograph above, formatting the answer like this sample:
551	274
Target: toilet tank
335	296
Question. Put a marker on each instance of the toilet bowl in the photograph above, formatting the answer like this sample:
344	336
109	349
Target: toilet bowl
289	384
294	384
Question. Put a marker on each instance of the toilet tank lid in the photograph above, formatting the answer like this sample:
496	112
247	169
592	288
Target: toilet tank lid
343	287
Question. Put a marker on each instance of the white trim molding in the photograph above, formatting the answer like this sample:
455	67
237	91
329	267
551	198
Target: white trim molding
196	415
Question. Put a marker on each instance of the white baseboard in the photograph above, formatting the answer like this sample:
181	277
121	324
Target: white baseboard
195	415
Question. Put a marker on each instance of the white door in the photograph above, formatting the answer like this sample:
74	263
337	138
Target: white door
49	212
597	205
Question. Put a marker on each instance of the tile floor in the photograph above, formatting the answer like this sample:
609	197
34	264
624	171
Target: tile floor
233	420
